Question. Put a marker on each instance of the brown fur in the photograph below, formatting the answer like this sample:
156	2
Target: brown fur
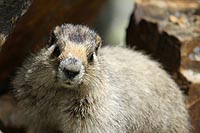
121	90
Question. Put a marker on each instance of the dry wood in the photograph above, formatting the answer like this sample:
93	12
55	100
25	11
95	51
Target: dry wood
169	30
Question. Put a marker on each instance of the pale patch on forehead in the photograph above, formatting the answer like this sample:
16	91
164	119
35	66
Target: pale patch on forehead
74	51
69	54
63	39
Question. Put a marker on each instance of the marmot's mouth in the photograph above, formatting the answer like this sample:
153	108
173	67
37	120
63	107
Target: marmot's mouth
70	84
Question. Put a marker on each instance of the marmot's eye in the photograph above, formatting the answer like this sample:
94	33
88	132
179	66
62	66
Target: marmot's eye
90	57
56	51
96	50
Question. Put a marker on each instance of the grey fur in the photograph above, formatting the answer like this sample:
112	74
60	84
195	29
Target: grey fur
121	91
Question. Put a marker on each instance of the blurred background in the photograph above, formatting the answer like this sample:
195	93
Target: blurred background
113	20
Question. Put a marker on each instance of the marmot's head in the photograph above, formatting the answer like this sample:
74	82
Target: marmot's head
75	50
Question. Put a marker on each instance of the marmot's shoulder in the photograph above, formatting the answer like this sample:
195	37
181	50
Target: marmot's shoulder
124	58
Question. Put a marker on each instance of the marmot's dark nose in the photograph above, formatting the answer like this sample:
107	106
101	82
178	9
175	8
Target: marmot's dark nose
70	74
71	67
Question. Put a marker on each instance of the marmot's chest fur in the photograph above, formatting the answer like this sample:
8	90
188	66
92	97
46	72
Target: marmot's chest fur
74	86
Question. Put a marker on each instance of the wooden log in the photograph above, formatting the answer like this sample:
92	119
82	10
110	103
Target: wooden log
10	12
194	106
169	30
32	30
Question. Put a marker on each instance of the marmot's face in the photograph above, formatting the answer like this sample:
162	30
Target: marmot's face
75	51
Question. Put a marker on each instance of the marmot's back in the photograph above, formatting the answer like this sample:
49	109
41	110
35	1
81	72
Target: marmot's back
155	99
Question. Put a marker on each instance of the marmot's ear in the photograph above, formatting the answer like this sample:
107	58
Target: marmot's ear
52	39
52	36
98	42
57	30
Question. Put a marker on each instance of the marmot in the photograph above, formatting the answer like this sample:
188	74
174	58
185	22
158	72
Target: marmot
73	86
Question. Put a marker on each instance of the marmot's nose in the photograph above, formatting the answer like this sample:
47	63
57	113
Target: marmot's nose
71	67
70	73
